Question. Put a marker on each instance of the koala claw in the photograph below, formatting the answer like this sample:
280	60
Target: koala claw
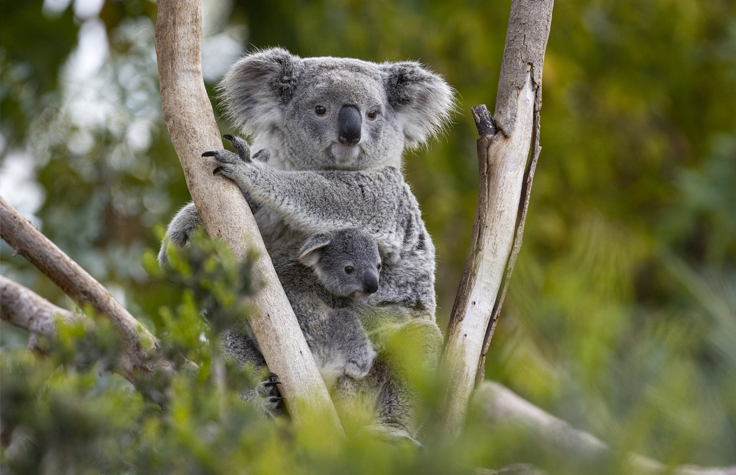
223	156
240	146
270	398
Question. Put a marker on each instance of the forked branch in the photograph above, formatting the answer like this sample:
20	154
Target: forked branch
28	241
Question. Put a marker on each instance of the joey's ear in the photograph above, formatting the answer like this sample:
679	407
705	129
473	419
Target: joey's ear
311	251
421	98
256	88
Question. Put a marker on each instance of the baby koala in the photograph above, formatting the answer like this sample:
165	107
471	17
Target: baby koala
325	279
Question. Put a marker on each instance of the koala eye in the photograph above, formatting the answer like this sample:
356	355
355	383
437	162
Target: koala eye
378	266
372	114
349	269
320	110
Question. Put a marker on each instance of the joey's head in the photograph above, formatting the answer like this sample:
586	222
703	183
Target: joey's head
334	113
346	262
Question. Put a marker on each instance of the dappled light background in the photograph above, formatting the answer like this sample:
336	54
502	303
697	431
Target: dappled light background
621	315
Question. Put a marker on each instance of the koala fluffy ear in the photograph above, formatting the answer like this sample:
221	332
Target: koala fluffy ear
311	251
256	88
422	100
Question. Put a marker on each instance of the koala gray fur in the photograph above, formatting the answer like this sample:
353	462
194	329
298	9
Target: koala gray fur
333	272
331	132
324	278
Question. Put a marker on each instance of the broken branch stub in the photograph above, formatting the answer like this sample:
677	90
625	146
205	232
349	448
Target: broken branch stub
225	213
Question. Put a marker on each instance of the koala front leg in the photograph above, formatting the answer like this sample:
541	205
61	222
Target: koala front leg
314	202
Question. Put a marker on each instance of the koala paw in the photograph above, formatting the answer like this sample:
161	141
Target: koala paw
232	166
271	401
240	146
359	368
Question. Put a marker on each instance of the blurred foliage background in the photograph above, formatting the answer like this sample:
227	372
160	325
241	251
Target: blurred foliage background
621	317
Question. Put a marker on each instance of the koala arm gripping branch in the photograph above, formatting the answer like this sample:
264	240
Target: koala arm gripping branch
321	201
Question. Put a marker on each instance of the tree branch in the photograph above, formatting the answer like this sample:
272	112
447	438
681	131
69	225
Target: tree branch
502	406
503	151
224	211
76	283
23	308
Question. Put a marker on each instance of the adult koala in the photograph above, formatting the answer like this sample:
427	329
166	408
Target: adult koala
330	134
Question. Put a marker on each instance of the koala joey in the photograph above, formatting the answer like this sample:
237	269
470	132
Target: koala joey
333	272
325	279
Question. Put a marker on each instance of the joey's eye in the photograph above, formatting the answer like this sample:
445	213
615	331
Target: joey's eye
373	114
378	267
320	110
349	269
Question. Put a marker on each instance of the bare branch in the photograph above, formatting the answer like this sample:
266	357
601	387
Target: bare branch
223	209
75	282
502	200
502	406
23	308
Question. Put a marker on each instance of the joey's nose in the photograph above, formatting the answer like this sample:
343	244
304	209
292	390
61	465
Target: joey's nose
370	281
349	123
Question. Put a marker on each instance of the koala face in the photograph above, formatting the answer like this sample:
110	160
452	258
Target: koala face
344	122
346	262
334	113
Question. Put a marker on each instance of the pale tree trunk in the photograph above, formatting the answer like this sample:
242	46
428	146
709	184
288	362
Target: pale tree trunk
224	211
505	183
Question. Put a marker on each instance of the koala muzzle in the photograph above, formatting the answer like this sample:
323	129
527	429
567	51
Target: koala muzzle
370	281
349	123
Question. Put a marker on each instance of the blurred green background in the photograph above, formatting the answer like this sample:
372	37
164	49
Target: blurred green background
621	316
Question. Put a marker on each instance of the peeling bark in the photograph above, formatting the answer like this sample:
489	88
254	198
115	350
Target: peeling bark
505	183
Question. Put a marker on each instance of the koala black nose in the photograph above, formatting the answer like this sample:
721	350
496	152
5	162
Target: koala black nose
349	123
370	281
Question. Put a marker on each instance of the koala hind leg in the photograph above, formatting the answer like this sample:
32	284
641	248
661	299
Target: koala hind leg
239	343
179	231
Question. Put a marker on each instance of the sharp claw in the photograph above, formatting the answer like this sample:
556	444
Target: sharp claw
228	136
276	398
272	376
216	170
209	154
271	383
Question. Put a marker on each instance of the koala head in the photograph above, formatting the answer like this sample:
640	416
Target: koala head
346	262
334	113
